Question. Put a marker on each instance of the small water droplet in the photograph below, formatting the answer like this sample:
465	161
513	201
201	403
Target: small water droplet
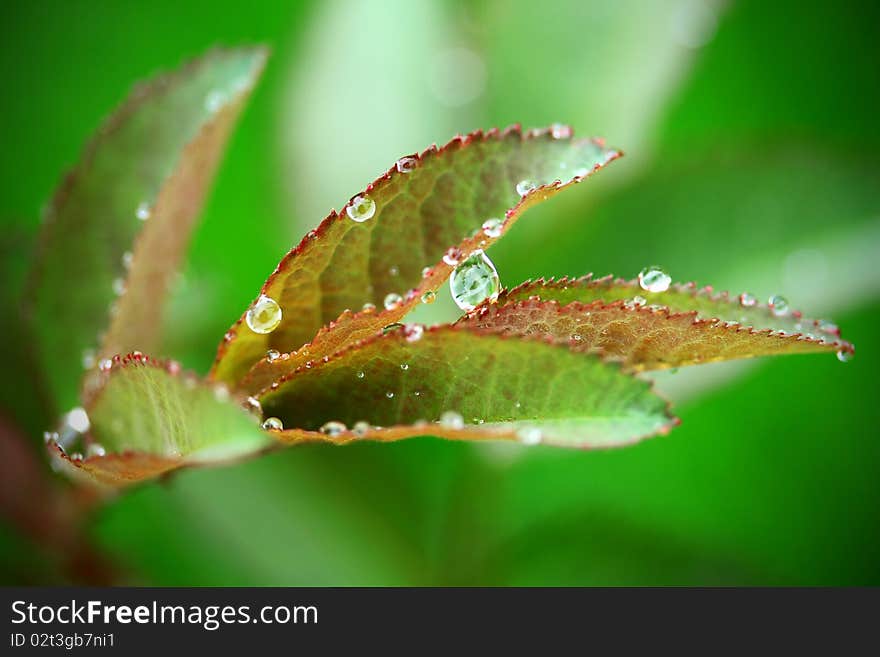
214	101
748	300
828	327
361	428
844	356
221	392
264	316
95	449
272	424
368	307
404	366
272	355
413	332
635	302
394	271
493	227
143	211
127	259
778	305
118	286
427	271
392	301
389	394
361	208
429	297
560	131
654	279
523	187
529	435
105	365
252	404
451	420
577	337
333	428
452	256
407	164
474	281
360	374
78	420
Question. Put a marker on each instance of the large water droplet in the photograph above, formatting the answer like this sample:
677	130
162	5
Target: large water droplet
407	164
523	187
654	279
361	208
392	301
474	281
333	428
451	420
264	316
493	227
273	424
778	305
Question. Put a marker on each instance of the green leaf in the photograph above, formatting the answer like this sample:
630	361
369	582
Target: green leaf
137	190
151	418
402	382
682	326
438	202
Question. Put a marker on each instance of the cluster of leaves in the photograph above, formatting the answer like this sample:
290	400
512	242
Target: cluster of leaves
554	362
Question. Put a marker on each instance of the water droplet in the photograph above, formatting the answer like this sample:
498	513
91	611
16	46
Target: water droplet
429	297
391	328
333	428
105	365
78	420
252	404
368	307
392	301
654	279
273	424
361	208
118	286
50	437
143	211
635	302
778	305
360	374
413	332
127	259
452	256
360	429
221	392
88	359
272	355
94	449
474	281
577	337
407	164
214	101
389	394
844	356
493	227
394	271
451	420
404	366
523	187
828	327
748	300
264	316
529	435
427	271
560	131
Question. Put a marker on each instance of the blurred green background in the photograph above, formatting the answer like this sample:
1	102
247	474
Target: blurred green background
752	163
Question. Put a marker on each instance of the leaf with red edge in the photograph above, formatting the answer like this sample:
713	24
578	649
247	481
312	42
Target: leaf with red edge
150	418
425	205
681	326
503	388
121	220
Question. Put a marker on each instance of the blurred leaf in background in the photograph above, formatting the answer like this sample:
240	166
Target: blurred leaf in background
752	161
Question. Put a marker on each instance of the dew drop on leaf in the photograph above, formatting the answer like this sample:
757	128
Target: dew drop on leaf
523	187
95	449
143	211
118	286
748	300
407	164
361	208
654	279
429	297
778	305
273	424
452	256
264	316
368	307
413	332
451	420
389	394
392	301
844	356
394	271
474	281
273	355
492	227
529	435
404	366
360	374
360	428
828	327
333	428
88	359
560	131
127	259
253	405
